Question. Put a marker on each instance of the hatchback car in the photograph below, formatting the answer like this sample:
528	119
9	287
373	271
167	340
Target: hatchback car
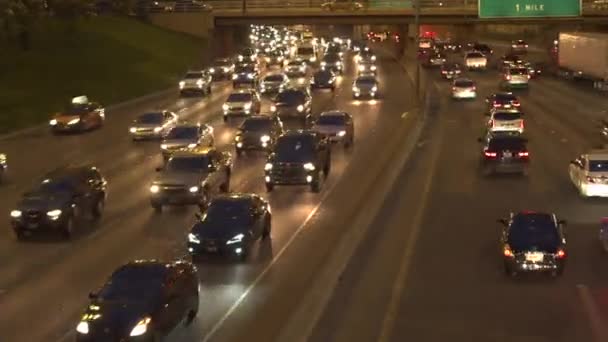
519	46
222	69
503	100
247	55
589	173
79	115
475	60
515	78
292	103
505	120
463	88
332	62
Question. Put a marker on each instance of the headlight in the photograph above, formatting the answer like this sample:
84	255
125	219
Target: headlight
53	122
157	129
212	70
54	213
236	239
182	84
247	105
341	133
273	108
154	189
16	213
141	327
373	67
361	67
193	145
226	69
313	59
323	64
74	121
265	138
250	76
132	129
309	166
373	58
235	76
199	83
193	189
193	238
355	89
163	146
301	81
83	327
300	108
268	167
240	58
225	106
375	89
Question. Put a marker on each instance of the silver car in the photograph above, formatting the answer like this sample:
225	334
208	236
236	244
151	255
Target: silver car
295	66
365	86
463	88
152	125
516	77
274	83
195	82
186	136
242	102
337	126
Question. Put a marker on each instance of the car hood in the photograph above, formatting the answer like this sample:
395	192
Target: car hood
62	118
217	230
116	318
365	86
237	104
328	129
179	178
36	201
178	143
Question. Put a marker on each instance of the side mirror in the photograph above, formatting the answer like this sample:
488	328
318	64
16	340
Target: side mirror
93	295
503	222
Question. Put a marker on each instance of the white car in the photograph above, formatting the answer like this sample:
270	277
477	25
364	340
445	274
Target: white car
463	88
505	120
589	173
475	60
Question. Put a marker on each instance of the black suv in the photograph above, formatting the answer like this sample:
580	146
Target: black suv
533	242
292	103
59	200
298	158
230	226
504	152
257	133
143	300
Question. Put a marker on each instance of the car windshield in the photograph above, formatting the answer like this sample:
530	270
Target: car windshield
55	185
518	71
256	125
188	164
274	78
323	75
464	84
598	165
291	97
474	55
183	133
75	109
505	97
295	74
150	118
245	69
294	149
366	81
507	143
239	97
228	211
134	283
306	51
331	58
333	120
507	116
533	232
191	75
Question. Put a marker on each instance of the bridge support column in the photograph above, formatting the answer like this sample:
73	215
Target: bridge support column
221	41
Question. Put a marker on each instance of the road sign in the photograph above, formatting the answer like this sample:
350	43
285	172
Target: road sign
529	8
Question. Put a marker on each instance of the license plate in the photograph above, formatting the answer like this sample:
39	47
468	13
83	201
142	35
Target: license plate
507	106
507	154
32	225
211	249
534	257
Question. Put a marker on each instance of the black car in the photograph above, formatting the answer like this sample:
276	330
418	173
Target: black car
298	158
323	79
533	242
247	55
292	103
257	133
222	68
143	300
504	152
332	62
451	71
59	200
334	49
483	48
358	45
503	100
230	226
275	57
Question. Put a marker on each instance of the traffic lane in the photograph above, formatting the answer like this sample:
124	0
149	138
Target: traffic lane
457	287
260	314
133	189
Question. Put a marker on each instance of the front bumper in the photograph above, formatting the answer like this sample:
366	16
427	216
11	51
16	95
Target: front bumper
253	145
30	223
216	247
191	89
549	264
65	128
237	111
362	93
517	85
146	134
289	113
270	89
517	129
292	176
476	66
176	197
594	190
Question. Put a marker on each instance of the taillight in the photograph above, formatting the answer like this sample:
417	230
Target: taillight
496	105
474	88
561	254
507	252
444	72
516	104
508	77
521	124
529	76
524	154
590	179
490	154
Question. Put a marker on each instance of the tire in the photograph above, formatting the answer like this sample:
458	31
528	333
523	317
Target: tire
269	187
158	208
225	118
19	234
191	315
267	228
97	210
68	228
315	186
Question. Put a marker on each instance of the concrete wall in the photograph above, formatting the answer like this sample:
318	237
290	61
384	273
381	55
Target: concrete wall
198	24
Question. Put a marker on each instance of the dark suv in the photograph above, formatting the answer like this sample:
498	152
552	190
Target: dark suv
59	200
298	158
143	300
293	103
257	133
504	152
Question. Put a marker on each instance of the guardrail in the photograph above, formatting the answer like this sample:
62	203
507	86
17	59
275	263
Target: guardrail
589	7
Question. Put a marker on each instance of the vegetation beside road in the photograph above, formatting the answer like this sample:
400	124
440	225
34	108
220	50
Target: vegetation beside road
110	59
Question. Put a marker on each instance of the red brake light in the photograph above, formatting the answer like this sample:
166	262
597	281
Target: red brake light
508	77
507	252
516	104
444	72
590	179
474	88
521	125
560	254
490	154
524	154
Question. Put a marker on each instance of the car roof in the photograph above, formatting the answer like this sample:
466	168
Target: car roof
597	154
241	91
193	152
68	171
236	196
334	113
531	217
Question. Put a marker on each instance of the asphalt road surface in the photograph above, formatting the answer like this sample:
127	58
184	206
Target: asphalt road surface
431	270
44	282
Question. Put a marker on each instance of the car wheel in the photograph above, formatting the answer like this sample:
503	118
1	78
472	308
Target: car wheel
239	152
19	234
267	228
269	187
68	228
192	313
157	207
225	118
97	209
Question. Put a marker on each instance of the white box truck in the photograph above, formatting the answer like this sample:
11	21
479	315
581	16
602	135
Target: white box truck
584	55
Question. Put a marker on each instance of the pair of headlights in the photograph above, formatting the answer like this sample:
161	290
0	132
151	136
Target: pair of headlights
307	167
53	214
235	239
139	329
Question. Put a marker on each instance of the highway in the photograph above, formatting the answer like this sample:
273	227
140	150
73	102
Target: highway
431	270
44	282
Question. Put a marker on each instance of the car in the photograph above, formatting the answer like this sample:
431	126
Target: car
195	82
533	241
306	53
292	103
80	115
435	60
332	62
60	201
335	48
301	157
186	136
475	60
463	88
274	83
222	69
589	173
247	55
515	78
358	45
142	300
191	177
483	48
453	47
505	120
378	36
333	5
274	57
367	67
509	60
244	81
152	125
534	69
257	132
365	56
3	167
504	152
323	79
336	126
298	79
502	100
519	46
230	226
242	102
450	71
295	66
365	86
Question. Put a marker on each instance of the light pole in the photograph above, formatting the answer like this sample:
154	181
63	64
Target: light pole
417	26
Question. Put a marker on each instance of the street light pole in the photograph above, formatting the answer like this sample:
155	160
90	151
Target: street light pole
417	25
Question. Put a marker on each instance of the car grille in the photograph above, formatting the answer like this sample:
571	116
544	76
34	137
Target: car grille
236	109
173	188
32	215
287	171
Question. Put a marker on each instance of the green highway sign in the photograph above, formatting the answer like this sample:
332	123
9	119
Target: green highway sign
529	8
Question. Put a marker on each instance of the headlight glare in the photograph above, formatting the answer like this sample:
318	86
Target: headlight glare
268	167
300	108
193	238
54	213
164	146
193	189
225	106
16	213
74	121
236	239
182	84
154	189
265	138
273	108
83	327
309	166
157	129
53	122
235	76
141	327
132	129
193	145
247	105
375	89
341	133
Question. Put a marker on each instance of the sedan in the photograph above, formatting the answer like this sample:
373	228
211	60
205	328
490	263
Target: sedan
152	125
504	152
274	83
463	88
365	86
450	71
337	126
323	79
257	133
589	173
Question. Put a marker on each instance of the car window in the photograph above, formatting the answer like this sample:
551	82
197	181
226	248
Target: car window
338	120
533	231
239	97
150	118
189	132
598	165
507	116
513	144
291	96
295	148
135	283
464	83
